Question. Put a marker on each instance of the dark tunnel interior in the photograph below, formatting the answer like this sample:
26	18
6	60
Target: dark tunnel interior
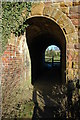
41	33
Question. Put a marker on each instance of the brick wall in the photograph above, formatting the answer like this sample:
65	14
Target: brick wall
74	15
15	75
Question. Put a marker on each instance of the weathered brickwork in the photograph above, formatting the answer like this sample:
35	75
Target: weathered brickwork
15	73
16	59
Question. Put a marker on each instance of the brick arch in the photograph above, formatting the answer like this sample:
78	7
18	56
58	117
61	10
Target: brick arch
55	14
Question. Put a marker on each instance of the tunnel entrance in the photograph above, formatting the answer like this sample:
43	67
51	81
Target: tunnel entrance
41	33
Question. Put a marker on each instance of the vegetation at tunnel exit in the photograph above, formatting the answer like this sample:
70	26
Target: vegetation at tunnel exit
52	53
14	15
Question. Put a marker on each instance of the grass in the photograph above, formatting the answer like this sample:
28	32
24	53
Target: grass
27	110
49	59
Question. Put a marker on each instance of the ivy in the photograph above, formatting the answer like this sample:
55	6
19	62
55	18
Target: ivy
13	19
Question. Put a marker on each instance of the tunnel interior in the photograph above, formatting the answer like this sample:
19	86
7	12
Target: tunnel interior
41	33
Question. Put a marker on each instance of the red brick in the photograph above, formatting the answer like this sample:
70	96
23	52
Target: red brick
74	16
76	22
74	9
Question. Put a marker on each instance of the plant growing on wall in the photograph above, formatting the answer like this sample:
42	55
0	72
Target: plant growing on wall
14	15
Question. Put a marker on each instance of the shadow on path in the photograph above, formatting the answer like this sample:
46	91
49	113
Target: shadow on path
48	97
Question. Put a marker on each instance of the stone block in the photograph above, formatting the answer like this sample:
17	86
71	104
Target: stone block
69	28
57	14
48	11
62	4
67	3
48	4
65	10
56	5
63	21
37	8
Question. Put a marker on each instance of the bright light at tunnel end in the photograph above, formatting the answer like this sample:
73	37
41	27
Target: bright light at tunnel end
53	47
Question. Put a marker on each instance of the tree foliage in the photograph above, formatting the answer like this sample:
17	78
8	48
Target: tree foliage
51	53
13	19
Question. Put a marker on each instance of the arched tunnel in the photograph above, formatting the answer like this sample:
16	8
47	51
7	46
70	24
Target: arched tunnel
41	33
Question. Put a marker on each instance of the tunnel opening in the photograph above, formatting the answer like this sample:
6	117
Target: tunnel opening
52	56
41	33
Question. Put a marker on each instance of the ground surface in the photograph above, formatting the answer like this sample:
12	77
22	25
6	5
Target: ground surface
48	95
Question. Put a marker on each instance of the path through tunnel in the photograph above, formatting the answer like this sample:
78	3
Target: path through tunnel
41	33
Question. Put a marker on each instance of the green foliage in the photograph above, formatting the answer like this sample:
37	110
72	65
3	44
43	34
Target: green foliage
13	20
27	110
52	53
